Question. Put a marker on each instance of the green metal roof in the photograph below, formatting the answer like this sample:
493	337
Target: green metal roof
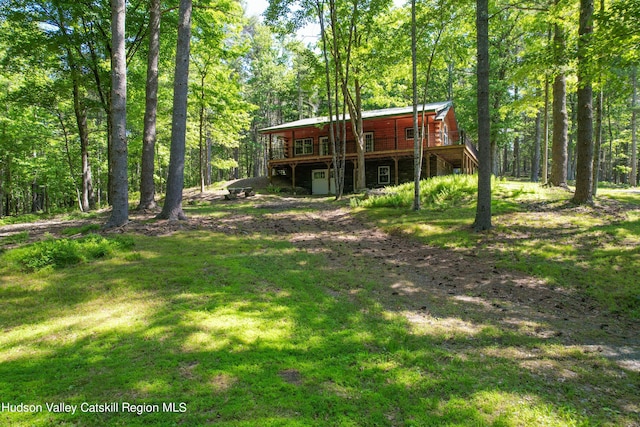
440	108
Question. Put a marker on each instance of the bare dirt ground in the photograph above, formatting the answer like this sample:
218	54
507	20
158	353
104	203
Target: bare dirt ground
431	287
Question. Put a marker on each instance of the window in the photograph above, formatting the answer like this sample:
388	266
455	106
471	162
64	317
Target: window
408	132
368	142
319	175
445	135
278	148
384	175
304	147
324	145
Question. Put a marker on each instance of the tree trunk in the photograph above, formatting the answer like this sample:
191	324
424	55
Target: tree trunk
483	209
172	208
361	177
516	157
72	174
584	144
545	150
597	158
147	184
597	151
559	145
417	141
87	201
120	200
201	136
633	177
535	164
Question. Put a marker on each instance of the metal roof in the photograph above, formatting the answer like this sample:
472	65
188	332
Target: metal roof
440	108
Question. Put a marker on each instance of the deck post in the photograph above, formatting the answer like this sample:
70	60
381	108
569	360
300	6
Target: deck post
395	134
293	178
397	178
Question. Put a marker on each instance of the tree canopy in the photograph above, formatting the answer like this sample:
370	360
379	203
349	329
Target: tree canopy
56	147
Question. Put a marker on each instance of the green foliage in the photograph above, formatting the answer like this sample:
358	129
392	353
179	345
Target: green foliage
80	230
61	253
12	239
273	189
436	193
539	232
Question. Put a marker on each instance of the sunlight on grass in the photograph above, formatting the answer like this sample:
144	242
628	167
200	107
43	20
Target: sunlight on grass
237	326
98	316
445	328
517	409
538	231
252	329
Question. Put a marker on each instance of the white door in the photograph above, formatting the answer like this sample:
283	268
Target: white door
320	182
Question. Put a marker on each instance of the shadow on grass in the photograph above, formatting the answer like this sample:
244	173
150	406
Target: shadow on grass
249	329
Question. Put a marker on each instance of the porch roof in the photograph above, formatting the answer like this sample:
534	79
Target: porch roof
440	108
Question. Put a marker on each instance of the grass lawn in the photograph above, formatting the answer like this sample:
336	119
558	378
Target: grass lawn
536	230
203	327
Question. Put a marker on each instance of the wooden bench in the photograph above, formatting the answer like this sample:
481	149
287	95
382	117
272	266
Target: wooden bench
234	191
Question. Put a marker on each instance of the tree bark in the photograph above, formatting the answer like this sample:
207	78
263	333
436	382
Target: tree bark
535	164
560	138
87	201
417	141
201	136
147	184
72	174
545	149
633	177
559	144
358	125
120	200
584	143
172	208
598	147
483	209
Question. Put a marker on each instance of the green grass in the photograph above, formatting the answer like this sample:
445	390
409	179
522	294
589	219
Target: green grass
60	253
15	238
435	194
537	231
248	330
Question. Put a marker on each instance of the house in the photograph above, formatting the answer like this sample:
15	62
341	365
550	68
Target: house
301	150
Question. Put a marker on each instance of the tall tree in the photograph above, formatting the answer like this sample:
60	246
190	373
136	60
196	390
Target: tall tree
172	208
584	144
560	139
147	185
120	202
633	176
535	164
417	137
483	209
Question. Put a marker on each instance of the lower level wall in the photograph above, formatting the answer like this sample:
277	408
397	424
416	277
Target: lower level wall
375	172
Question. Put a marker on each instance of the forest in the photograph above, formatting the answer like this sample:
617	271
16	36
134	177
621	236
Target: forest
134	290
247	73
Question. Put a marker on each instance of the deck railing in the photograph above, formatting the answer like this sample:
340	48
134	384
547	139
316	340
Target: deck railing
280	150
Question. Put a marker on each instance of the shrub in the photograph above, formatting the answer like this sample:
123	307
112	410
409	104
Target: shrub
272	189
435	193
60	253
